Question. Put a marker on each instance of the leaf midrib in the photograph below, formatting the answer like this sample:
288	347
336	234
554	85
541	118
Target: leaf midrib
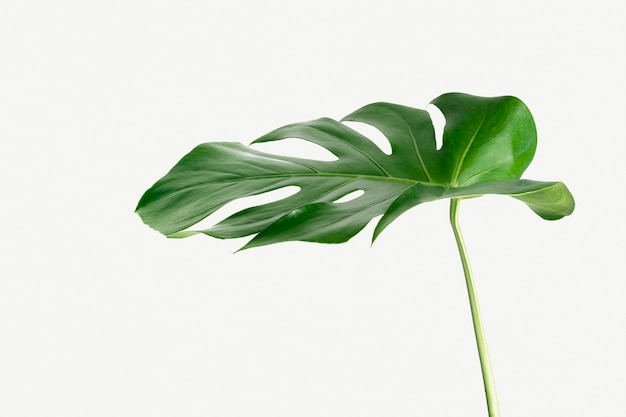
317	174
417	150
457	171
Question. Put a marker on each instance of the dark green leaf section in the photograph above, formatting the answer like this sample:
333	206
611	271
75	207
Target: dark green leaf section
485	139
207	178
487	144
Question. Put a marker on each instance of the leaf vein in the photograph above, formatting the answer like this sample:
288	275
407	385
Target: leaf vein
417	151
467	148
380	167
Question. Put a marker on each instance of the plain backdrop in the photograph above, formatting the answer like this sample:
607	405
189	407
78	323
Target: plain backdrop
102	316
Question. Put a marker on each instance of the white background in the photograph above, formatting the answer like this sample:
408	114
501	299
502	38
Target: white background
101	316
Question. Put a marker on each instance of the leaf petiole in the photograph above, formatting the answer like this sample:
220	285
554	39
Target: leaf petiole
483	351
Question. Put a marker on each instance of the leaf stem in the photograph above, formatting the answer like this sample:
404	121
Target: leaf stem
483	351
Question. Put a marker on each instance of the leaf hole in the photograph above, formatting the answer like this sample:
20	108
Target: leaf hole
296	148
353	195
372	134
439	121
243	203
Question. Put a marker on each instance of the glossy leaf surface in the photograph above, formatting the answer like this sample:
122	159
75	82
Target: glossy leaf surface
487	145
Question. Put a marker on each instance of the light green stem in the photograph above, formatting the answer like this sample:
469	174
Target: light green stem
483	351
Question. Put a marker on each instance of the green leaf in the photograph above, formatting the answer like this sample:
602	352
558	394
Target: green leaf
487	145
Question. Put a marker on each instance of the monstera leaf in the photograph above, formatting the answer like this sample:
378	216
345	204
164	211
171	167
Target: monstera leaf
487	145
